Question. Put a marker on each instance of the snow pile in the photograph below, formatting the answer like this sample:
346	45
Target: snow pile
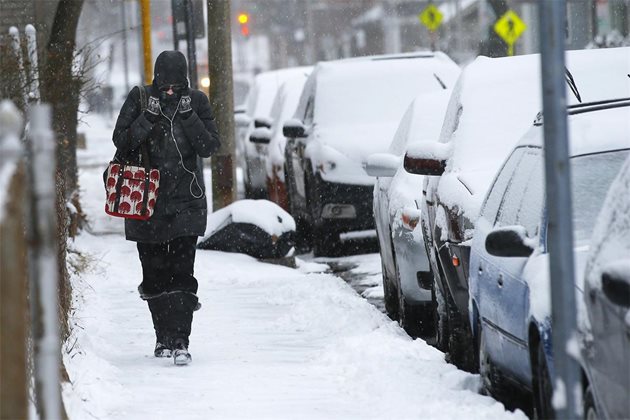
263	213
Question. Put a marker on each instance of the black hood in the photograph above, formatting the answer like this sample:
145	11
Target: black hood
170	69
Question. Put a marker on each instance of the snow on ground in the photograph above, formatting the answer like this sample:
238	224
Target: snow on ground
269	342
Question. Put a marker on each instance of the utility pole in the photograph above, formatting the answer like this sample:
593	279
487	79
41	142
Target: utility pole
175	34
123	16
222	101
558	184
190	44
145	9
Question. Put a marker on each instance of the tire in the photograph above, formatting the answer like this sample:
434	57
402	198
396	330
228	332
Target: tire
542	388
390	296
416	320
459	338
325	243
491	379
441	319
590	411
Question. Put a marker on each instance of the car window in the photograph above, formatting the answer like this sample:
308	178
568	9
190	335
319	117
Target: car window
493	200
514	198
308	114
530	211
591	175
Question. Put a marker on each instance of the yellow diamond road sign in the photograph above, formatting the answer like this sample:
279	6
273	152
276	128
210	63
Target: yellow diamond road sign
431	17
510	27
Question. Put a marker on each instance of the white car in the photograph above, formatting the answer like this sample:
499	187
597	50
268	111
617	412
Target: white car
258	109
283	108
407	277
350	109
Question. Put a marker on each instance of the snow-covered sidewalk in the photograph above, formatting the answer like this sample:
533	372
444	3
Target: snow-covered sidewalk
269	341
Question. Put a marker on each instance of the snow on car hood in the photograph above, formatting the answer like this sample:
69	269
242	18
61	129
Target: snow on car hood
348	147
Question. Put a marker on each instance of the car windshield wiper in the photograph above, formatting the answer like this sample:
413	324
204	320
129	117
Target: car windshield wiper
572	85
439	81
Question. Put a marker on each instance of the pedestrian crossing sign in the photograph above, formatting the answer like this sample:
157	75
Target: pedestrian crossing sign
431	17
510	27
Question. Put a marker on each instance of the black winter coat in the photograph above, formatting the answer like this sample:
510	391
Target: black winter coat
181	207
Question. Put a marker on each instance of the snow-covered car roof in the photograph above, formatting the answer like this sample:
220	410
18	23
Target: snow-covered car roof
495	102
377	89
598	129
265	87
419	122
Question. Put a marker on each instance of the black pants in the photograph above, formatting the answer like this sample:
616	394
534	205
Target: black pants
168	266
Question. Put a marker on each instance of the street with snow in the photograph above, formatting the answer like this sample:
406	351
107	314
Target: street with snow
268	342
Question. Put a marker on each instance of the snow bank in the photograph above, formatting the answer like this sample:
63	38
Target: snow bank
262	213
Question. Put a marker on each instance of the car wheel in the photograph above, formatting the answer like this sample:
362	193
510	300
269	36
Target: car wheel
459	338
542	388
416	320
441	318
390	296
325	243
491	379
590	411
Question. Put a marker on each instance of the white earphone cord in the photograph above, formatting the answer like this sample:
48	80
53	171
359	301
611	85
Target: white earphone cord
181	158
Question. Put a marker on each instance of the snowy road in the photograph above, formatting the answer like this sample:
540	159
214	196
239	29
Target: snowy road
269	341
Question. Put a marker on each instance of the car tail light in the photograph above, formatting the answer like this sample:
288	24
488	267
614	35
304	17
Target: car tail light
410	218
455	261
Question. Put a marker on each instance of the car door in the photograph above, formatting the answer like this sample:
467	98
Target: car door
483	266
609	353
522	205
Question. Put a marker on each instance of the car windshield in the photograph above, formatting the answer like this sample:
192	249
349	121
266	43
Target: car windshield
591	177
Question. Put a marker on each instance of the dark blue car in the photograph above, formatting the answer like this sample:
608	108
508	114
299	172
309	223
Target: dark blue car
510	301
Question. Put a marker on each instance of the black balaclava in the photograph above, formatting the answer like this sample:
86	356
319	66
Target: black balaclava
170	69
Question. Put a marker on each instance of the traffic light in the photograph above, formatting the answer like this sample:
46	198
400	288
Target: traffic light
243	21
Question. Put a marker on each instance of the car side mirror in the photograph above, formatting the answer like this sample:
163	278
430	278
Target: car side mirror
616	282
382	165
242	120
510	241
426	158
261	122
261	135
294	128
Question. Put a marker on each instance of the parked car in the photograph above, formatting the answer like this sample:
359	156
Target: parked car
604	322
256	114
407	277
283	108
349	109
510	307
491	107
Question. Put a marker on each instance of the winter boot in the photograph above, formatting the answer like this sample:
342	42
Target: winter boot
158	305
161	350
180	353
178	321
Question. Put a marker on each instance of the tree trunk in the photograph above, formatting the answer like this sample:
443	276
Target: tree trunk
61	88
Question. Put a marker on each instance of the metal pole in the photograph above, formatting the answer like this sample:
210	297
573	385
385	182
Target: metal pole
190	45
145	9
31	46
123	16
44	274
560	231
222	101
175	35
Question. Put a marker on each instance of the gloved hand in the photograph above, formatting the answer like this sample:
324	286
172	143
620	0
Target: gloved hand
185	107
152	113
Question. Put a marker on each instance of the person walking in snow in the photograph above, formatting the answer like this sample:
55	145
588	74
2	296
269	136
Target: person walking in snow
178	126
